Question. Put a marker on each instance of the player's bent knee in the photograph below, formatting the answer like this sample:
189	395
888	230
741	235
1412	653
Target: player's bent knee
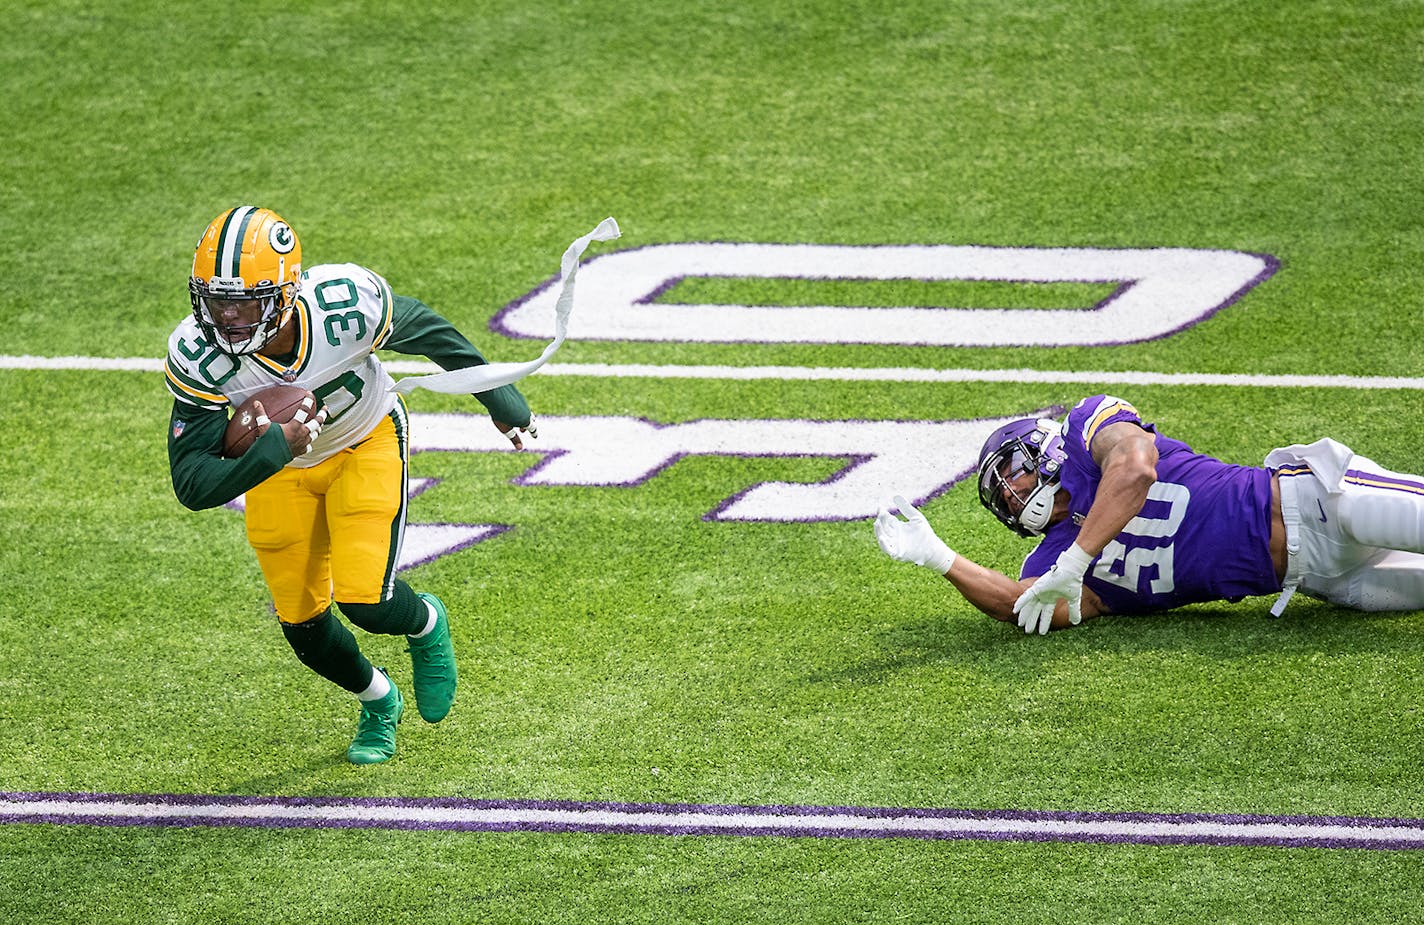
401	613
1391	520
309	638
302	615
370	617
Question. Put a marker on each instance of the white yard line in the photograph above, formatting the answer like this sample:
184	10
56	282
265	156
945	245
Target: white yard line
746	821
825	373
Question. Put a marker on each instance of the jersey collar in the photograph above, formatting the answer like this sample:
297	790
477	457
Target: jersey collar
289	372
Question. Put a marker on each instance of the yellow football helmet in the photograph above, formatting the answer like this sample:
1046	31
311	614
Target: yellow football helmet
245	278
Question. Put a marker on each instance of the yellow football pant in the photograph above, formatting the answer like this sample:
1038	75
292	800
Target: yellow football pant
333	529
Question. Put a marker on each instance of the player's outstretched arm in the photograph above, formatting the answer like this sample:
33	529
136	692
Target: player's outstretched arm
909	537
419	331
995	593
991	592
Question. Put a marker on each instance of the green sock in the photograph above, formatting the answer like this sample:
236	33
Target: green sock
404	613
327	647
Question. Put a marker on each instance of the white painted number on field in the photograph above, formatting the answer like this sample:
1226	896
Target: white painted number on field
920	458
1159	291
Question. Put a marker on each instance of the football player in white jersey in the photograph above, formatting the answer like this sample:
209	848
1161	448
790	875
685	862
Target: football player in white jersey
326	493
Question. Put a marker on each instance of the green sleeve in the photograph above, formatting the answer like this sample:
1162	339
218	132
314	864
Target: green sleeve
202	476
415	329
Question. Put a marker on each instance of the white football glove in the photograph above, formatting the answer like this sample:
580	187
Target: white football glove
912	539
1064	581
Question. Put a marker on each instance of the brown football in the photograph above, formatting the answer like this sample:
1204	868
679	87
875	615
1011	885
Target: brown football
280	402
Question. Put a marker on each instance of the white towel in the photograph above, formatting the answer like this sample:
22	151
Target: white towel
494	375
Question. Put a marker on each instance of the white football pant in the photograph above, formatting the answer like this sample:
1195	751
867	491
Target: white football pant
1361	539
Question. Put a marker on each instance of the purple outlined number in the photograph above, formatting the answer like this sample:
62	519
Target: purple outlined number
1159	292
920	459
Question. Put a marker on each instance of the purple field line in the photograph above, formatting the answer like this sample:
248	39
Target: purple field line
465	815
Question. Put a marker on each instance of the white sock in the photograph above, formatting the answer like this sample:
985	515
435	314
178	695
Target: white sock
379	687
430	623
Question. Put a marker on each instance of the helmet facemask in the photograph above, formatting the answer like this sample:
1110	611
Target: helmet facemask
1026	446
274	309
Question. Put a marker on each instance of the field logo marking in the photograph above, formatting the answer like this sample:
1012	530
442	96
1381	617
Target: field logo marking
920	459
1160	291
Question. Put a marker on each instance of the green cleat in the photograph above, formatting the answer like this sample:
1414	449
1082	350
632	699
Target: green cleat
376	730
432	662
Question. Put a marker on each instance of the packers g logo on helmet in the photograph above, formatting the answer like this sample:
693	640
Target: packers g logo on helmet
246	255
282	238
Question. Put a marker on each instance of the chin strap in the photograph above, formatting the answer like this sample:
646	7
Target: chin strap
1039	508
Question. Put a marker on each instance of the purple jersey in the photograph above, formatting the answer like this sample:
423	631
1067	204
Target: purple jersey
1203	535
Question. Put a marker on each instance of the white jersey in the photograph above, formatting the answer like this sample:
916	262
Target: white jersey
342	313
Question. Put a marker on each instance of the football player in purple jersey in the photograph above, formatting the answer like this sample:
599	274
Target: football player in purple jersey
1133	521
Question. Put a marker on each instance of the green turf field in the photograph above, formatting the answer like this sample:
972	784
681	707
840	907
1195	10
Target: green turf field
621	644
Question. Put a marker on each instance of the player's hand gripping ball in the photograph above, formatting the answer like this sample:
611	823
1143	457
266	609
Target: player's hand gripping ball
280	404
